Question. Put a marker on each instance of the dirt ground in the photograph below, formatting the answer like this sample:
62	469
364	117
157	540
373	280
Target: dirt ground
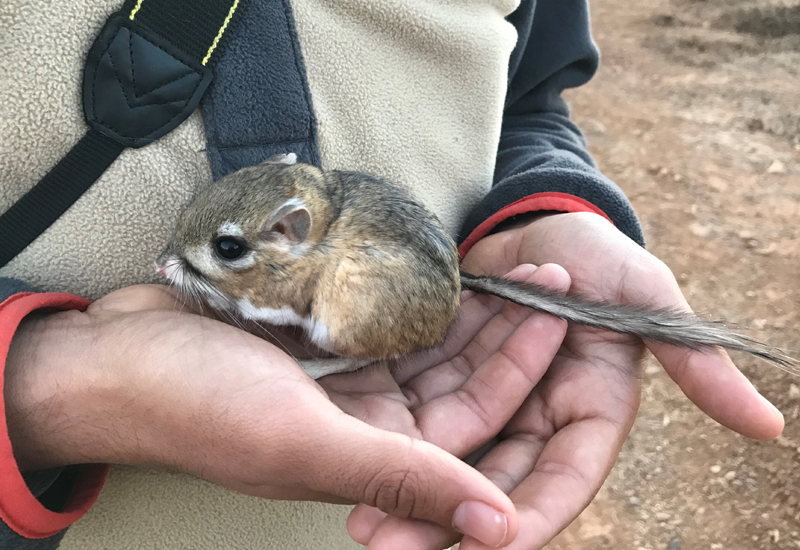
696	115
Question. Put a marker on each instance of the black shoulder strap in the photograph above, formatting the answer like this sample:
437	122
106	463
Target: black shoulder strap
144	75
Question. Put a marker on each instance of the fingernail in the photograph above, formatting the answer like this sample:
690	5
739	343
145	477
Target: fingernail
482	522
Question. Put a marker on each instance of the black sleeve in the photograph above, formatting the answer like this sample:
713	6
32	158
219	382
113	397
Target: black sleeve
541	152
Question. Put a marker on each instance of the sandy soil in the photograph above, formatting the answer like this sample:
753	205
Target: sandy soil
696	114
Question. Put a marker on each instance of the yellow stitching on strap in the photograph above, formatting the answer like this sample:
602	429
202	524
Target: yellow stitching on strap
138	5
219	34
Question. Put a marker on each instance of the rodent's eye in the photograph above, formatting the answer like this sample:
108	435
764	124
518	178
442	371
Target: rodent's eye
228	248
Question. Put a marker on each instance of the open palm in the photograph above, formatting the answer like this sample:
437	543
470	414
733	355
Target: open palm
464	392
554	453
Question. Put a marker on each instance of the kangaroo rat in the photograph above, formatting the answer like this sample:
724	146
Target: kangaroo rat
365	269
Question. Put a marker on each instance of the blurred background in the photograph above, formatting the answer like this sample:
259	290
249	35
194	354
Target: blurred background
696	115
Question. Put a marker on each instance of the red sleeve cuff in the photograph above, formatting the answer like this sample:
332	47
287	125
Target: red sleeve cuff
537	202
19	509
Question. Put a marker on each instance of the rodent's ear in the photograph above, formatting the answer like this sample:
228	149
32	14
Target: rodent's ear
290	222
288	158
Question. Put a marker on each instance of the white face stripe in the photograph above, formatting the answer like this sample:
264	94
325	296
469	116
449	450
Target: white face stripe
230	229
282	316
176	272
317	332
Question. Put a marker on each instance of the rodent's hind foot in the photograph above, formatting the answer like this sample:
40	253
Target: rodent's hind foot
317	368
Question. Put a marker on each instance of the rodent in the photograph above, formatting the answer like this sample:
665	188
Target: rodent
365	269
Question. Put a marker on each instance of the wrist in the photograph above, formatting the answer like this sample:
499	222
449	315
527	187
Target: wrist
524	219
46	386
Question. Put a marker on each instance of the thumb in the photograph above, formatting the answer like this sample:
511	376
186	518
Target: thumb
711	380
406	477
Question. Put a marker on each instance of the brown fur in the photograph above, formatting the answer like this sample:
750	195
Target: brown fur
377	269
376	276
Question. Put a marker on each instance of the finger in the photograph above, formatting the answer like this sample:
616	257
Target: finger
367	395
403	534
506	465
713	383
404	477
481	332
362	523
370	527
568	473
711	380
500	383
375	378
475	312
374	409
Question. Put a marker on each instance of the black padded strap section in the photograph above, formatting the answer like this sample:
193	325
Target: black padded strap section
144	75
190	25
55	193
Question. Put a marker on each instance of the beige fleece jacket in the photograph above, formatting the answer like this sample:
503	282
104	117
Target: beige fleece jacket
396	85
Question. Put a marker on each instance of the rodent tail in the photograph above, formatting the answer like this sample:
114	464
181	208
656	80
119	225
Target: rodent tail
661	325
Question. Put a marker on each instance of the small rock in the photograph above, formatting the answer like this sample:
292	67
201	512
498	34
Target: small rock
777	167
666	420
717	184
768	250
662	516
715	469
700	230
716	546
794	391
755	125
775	535
595	127
730	475
675	544
665	20
759	324
635	501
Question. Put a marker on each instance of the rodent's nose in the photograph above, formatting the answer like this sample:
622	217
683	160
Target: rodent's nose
161	264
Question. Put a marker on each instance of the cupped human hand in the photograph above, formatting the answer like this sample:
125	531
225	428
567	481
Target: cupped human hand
139	379
554	454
